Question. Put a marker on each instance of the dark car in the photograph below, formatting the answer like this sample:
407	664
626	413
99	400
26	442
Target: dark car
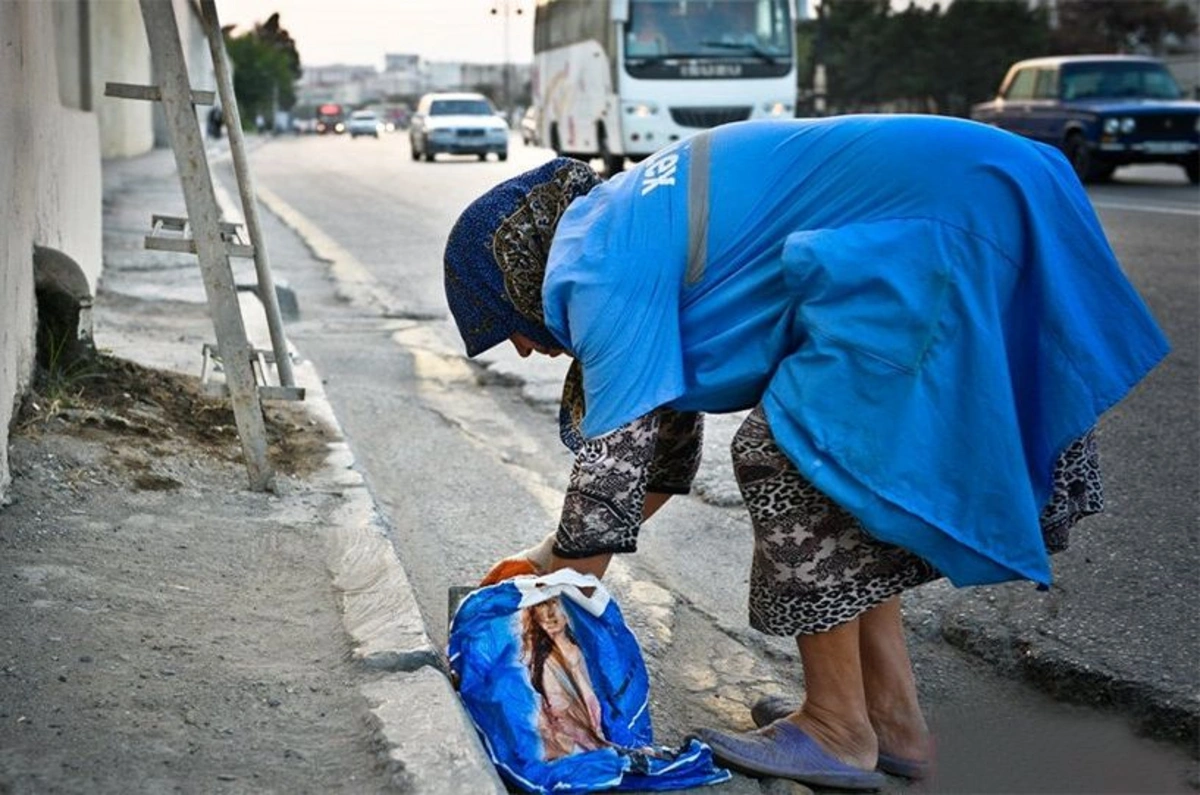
1103	111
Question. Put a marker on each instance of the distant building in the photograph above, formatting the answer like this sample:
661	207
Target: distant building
402	62
407	76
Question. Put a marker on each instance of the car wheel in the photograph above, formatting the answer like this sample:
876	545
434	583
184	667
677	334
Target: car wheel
502	156
1082	160
482	156
1192	167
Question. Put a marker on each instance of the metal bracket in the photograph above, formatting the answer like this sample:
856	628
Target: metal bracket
173	233
260	361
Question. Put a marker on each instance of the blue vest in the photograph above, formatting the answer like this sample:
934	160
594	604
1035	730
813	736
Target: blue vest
927	309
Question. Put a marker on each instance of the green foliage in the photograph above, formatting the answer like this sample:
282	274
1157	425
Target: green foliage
266	66
1150	26
66	366
931	59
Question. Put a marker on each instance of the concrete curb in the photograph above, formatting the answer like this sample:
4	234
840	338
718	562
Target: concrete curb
427	734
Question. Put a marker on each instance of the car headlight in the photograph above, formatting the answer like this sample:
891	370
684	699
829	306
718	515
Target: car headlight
1124	125
777	109
641	109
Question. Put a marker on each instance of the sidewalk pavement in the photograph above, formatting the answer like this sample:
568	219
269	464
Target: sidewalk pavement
152	667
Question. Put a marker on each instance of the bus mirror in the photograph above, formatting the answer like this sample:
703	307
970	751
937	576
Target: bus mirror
620	11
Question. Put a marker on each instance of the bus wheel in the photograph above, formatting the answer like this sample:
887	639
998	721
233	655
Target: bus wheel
613	164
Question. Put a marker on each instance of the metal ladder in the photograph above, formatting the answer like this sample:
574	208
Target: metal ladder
212	239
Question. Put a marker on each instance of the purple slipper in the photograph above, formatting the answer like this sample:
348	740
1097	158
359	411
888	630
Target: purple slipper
769	709
783	750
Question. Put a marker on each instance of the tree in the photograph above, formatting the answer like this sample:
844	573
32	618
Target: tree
979	40
921	58
1147	26
266	66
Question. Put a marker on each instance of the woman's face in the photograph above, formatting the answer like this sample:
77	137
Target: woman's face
550	617
526	346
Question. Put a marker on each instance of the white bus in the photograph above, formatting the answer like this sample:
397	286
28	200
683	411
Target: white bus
625	78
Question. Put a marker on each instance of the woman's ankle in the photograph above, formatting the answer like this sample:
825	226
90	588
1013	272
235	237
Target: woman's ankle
904	737
851	741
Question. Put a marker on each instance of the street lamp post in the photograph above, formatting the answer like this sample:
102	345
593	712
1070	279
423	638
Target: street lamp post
505	9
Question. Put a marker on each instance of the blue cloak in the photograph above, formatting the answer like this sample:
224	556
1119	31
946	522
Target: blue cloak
927	309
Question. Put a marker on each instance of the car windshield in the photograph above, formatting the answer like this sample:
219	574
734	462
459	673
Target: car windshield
460	107
1118	80
363	116
758	29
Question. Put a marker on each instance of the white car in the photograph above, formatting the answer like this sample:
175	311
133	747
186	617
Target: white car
457	123
363	122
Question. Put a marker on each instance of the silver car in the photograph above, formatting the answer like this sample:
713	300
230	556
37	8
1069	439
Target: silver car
457	123
363	122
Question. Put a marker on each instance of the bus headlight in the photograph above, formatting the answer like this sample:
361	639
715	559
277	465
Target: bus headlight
777	109
641	109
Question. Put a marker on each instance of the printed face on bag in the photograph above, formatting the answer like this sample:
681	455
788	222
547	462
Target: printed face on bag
550	617
567	712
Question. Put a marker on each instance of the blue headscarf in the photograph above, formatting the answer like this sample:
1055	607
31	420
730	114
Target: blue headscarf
496	254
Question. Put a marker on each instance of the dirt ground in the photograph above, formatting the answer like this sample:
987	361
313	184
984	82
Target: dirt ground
165	629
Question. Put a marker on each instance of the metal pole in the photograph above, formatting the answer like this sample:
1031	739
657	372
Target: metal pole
237	146
820	84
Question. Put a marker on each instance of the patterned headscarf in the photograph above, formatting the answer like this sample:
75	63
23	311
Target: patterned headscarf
496	254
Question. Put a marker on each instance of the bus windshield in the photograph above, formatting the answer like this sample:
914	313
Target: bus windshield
665	29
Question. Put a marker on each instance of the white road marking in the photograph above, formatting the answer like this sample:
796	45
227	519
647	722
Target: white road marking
1146	208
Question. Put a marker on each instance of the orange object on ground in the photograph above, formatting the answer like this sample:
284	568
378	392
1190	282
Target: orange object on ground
509	568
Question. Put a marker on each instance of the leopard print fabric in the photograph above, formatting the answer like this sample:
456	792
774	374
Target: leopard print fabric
815	568
1078	492
602	512
677	450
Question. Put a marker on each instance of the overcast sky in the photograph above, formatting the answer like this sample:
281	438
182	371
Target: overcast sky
361	31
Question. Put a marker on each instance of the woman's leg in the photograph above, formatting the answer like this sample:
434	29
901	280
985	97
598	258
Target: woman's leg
819	577
890	685
835	711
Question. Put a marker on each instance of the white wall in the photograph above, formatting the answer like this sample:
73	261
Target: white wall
55	58
120	54
50	178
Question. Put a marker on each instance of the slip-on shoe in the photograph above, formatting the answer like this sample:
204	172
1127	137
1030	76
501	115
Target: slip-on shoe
769	709
784	750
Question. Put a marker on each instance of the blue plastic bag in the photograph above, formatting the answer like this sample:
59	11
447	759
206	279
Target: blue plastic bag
557	688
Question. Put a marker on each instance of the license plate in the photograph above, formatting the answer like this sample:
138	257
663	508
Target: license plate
1168	147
